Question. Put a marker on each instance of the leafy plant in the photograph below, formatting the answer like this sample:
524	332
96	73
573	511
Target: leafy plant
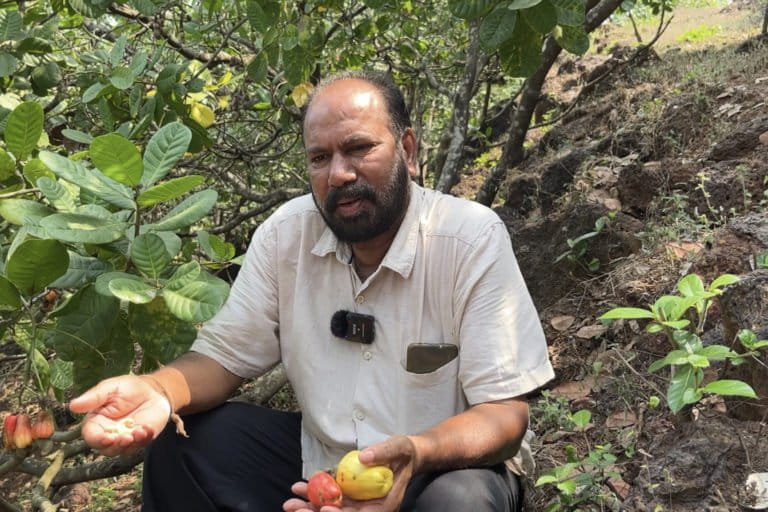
578	248
581	480
688	356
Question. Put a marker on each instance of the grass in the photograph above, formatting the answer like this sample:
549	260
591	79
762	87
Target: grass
699	34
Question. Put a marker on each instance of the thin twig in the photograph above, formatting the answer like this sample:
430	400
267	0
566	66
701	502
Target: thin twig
21	192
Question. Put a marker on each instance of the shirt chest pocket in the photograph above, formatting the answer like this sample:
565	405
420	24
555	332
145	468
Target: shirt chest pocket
428	397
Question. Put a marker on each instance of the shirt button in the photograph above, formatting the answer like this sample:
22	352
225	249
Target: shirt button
360	299
359	415
367	355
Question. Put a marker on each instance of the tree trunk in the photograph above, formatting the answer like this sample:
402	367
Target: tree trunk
513	152
765	19
449	175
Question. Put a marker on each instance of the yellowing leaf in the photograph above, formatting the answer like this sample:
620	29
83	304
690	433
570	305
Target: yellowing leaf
202	115
151	93
300	93
223	101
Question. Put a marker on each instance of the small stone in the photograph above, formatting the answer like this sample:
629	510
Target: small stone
763	138
619	487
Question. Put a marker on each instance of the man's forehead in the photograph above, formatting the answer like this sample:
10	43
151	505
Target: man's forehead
353	94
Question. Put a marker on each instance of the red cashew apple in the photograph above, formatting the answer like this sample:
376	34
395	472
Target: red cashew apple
322	489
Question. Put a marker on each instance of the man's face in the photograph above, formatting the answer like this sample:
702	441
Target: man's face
358	170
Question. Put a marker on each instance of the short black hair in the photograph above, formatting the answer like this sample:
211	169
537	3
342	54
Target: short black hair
399	117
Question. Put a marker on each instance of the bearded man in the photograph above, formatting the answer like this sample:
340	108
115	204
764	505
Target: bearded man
433	341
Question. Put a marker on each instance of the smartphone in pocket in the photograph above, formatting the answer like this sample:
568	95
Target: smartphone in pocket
428	357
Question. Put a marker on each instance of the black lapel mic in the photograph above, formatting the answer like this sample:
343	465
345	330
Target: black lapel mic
352	326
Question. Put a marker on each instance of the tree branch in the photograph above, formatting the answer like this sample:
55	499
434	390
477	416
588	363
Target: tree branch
210	59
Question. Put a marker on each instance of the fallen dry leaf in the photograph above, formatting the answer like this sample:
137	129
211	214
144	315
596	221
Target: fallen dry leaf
684	249
562	322
576	389
621	419
619	487
591	331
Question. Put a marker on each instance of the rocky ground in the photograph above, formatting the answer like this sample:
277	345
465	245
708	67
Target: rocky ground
672	149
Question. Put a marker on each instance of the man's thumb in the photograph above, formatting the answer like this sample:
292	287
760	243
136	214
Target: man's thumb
92	399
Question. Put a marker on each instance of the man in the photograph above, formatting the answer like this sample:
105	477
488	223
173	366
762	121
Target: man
434	385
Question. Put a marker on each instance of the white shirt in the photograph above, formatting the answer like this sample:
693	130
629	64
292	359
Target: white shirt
450	276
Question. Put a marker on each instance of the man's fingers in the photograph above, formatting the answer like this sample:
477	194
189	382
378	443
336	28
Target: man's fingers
296	505
92	399
387	451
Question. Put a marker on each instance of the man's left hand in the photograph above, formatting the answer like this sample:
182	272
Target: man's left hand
399	453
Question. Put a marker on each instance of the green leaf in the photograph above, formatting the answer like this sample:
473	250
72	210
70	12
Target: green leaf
131	290
35	169
164	149
497	27
162	336
691	286
77	136
470	9
521	55
147	7
8	64
82	270
522	4
542	17
546	479
62	374
581	418
150	256
89	8
723	280
77	228
728	387
11	25
118	50
573	39
215	248
697	361
59	197
298	65
568	487
627	313
683	380
23	129
169	190
35	264
89	179
44	77
676	324
102	281
9	295
258	67
92	332
118	158
184	275
673	357
122	78
189	211
93	92
262	14
195	302
717	352
7	165
570	12
16	211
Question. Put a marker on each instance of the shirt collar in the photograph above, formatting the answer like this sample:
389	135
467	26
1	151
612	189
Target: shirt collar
401	254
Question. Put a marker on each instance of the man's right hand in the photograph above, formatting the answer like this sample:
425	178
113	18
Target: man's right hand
124	414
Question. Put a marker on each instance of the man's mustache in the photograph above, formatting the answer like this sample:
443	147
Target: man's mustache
348	193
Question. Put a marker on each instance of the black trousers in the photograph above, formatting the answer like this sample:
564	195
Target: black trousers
244	458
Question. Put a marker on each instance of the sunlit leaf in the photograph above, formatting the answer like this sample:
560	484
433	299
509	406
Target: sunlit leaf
35	264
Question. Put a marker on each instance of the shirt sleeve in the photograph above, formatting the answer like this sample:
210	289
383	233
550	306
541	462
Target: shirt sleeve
243	336
503	351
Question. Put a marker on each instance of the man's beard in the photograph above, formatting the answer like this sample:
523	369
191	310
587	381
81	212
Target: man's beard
388	206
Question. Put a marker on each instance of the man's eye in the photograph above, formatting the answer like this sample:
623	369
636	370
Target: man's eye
361	148
317	159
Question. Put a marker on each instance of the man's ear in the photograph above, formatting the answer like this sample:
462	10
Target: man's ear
408	140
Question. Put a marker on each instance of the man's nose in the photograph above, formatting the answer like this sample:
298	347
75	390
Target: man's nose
341	172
